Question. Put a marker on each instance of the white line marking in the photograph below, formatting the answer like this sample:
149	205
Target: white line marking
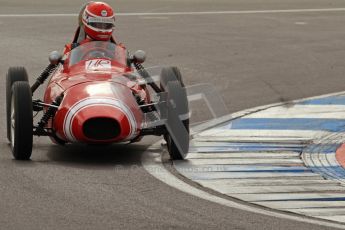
275	155
275	181
153	164
323	163
285	196
36	15
303	111
252	161
281	205
322	212
268	140
333	218
230	189
212	176
257	144
180	165
190	13
255	133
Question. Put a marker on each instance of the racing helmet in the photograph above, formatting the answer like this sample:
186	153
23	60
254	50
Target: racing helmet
99	20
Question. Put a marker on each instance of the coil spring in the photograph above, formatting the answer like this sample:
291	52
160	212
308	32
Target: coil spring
46	72
44	75
141	70
48	114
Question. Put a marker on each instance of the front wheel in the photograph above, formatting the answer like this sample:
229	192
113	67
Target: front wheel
172	83
14	74
173	150
21	121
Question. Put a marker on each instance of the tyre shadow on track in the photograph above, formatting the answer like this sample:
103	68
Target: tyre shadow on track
82	155
96	155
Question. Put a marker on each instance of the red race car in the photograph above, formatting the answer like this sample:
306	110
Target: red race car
97	94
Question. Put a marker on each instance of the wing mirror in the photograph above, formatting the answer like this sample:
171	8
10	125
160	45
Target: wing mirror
139	56
55	57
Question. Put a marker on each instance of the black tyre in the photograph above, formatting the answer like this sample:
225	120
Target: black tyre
173	76
170	74
174	152
14	74
21	120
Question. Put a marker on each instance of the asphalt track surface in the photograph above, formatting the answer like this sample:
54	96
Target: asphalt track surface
252	59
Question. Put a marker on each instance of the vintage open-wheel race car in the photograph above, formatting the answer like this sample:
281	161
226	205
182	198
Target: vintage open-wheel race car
97	94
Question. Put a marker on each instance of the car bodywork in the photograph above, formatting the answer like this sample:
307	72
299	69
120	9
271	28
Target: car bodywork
100	94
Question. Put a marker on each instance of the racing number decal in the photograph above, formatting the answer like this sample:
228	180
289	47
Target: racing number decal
98	65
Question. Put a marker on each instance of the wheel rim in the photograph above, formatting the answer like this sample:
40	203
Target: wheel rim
13	122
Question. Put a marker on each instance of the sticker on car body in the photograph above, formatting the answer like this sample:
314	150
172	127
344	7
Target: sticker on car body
98	65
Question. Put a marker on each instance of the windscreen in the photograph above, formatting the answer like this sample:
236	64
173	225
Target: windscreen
98	50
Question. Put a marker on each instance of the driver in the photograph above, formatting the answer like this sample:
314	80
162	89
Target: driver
96	23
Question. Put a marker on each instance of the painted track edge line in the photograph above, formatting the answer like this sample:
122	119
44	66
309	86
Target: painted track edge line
153	164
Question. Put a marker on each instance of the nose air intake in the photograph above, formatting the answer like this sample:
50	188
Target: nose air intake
101	129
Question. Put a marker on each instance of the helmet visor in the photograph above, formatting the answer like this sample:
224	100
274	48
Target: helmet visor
101	25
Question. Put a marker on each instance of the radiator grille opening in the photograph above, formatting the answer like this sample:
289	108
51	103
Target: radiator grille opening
101	128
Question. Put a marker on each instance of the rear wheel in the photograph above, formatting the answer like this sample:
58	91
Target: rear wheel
21	121
14	74
172	75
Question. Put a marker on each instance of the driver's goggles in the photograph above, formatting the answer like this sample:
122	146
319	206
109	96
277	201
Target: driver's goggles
101	23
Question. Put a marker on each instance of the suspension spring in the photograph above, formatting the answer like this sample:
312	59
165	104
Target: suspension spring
141	70
43	77
47	115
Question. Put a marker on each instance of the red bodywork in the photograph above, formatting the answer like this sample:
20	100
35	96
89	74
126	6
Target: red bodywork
98	103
